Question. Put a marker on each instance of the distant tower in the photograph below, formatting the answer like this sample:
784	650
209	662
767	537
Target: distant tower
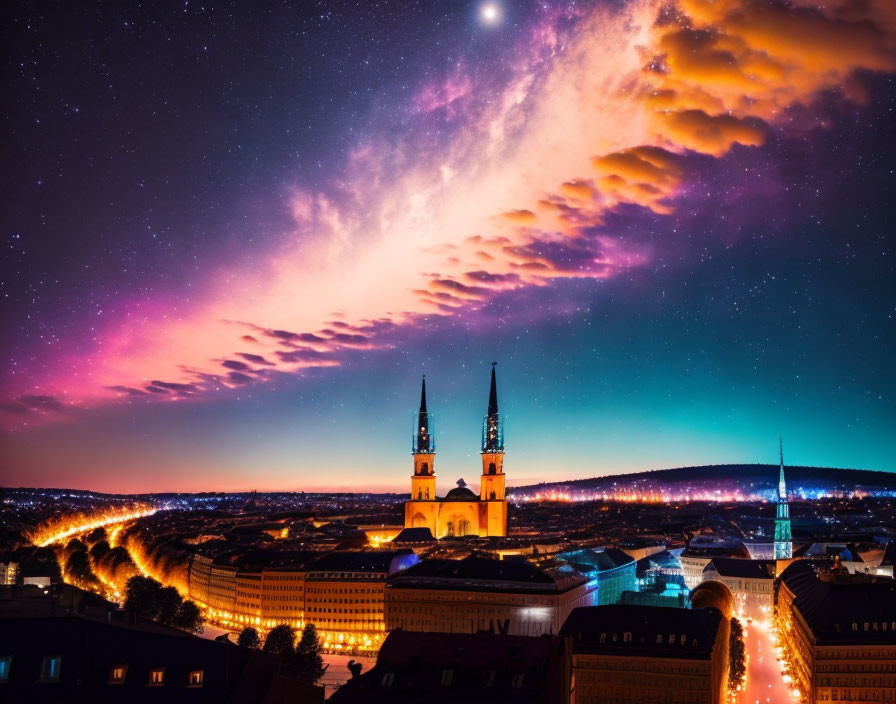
783	538
423	483
491	488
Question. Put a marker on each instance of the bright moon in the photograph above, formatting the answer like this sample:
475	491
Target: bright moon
490	13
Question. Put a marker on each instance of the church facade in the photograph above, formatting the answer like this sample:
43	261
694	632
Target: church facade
460	512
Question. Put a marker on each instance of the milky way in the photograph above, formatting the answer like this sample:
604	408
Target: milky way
237	237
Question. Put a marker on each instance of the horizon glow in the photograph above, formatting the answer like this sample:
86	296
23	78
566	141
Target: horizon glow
669	226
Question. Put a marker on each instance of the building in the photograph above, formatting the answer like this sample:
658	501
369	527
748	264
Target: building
9	572
612	569
344	596
71	646
703	548
838	634
478	594
783	537
623	654
446	668
341	593
460	512
752	583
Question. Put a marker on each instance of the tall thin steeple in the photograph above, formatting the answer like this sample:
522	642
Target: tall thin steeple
493	394
492	430
423	441
783	535
782	487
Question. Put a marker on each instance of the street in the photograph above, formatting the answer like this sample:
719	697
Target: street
764	681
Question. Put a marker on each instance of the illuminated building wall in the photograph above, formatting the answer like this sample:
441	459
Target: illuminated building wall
283	596
222	588
480	594
247	601
838	637
625	654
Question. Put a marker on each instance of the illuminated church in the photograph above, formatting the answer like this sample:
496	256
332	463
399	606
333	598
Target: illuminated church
460	511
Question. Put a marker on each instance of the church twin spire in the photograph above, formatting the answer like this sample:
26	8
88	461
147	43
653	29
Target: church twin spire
423	443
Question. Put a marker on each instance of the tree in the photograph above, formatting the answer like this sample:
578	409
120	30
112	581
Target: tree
736	654
77	566
306	662
168	602
248	638
189	618
281	640
142	595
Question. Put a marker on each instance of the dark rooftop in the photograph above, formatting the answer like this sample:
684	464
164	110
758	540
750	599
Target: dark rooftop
476	574
842	612
738	567
357	561
651	631
482	667
414	535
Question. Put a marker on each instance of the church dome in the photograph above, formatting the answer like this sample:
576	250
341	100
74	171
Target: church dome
461	493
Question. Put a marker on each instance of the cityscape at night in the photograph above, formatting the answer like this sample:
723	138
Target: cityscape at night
449	350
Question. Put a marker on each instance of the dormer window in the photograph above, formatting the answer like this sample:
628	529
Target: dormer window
196	678
117	673
50	668
156	677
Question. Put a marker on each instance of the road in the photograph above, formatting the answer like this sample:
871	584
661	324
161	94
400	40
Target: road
765	684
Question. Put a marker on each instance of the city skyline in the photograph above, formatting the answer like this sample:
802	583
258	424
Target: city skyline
237	239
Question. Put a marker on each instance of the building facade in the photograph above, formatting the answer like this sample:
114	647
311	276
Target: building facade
477	594
460	512
625	654
838	634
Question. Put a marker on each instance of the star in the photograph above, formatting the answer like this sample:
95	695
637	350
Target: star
490	13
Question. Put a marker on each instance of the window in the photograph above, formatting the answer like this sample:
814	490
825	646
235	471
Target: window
5	664
447	676
156	677
50	668
626	637
388	679
117	673
195	679
517	680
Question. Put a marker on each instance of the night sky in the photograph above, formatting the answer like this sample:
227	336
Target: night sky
237	235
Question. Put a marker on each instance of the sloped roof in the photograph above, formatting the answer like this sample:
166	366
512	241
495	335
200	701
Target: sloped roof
628	629
414	535
831	608
738	567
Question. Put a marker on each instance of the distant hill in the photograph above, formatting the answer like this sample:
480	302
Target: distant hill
758	477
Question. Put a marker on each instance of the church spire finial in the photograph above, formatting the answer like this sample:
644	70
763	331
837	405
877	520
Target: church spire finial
493	394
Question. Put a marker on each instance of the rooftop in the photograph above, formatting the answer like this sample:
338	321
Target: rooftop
639	631
843	612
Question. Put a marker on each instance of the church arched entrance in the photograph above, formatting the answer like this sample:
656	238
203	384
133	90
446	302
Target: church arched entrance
418	521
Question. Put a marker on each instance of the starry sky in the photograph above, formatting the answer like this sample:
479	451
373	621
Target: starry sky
237	234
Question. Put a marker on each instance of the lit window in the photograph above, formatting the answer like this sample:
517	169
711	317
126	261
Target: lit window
157	677
5	664
196	677
117	673
50	668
